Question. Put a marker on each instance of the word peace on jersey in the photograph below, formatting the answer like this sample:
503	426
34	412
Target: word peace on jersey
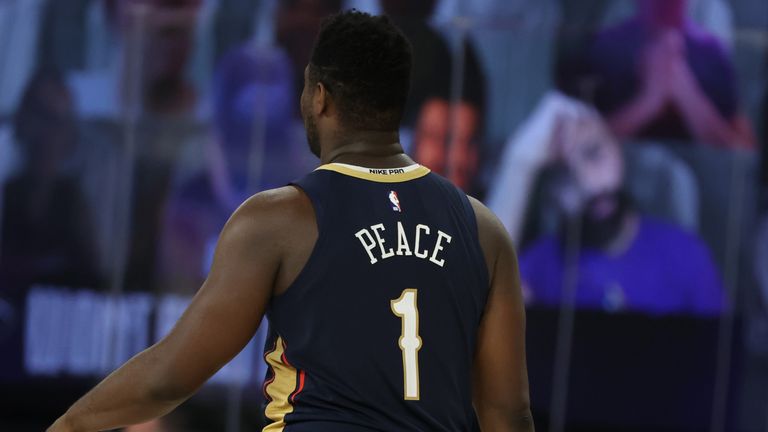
371	237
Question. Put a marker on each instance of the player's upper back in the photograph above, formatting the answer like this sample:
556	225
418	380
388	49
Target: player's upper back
379	327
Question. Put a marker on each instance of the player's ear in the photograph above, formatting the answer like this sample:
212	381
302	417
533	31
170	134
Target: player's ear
322	99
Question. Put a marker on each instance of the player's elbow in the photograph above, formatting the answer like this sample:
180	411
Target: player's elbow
168	384
168	392
523	421
173	386
505	418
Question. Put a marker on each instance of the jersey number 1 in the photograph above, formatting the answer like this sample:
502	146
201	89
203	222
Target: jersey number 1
410	342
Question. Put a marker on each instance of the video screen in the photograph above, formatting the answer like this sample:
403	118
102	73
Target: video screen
620	143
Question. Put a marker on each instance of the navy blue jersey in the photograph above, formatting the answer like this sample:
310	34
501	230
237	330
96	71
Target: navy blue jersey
378	331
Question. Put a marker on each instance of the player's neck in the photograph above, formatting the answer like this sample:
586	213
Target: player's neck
374	149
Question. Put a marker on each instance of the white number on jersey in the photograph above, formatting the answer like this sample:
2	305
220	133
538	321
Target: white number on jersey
410	342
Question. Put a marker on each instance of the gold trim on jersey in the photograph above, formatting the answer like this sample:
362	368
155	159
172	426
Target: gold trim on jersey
280	388
381	175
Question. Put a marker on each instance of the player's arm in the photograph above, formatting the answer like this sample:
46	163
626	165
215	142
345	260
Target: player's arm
500	388
219	322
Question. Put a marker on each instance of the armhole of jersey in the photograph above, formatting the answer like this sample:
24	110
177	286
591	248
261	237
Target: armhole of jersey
475	228
311	263
471	215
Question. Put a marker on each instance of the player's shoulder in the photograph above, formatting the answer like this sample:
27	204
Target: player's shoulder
282	199
493	237
273	213
487	222
272	202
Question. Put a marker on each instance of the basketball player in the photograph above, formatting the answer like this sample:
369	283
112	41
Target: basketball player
393	298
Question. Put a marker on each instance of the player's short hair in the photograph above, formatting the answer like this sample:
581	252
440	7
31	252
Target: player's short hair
364	62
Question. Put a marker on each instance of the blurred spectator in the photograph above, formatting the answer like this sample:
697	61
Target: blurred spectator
254	149
297	24
104	40
446	140
45	234
234	24
445	131
660	184
626	261
165	29
660	75
529	149
716	16
146	123
167	51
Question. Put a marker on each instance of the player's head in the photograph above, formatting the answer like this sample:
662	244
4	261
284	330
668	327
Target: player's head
357	79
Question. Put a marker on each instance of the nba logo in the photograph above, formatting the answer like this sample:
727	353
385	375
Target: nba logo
395	201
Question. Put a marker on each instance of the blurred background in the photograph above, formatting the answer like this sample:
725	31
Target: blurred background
621	142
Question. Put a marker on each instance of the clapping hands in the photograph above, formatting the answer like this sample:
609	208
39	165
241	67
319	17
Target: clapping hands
666	77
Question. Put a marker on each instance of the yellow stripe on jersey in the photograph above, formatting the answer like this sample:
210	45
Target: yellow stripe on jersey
280	389
381	175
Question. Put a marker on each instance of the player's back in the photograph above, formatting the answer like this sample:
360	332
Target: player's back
378	330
